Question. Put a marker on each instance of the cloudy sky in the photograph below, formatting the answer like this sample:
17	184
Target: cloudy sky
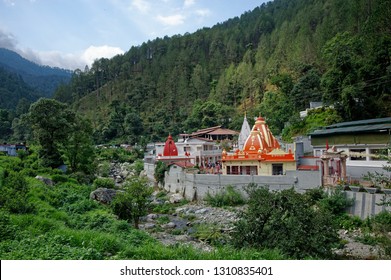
72	33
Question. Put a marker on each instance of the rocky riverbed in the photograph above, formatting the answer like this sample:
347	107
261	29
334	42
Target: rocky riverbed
196	224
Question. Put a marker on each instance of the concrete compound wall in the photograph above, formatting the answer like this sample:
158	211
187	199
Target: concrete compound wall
196	186
367	204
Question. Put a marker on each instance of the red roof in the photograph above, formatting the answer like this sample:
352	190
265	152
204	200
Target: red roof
170	148
183	164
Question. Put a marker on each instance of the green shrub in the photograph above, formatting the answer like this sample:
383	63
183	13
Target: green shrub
57	178
350	222
104	169
286	221
382	222
133	203
335	202
107	183
15	196
138	166
228	197
82	177
7	229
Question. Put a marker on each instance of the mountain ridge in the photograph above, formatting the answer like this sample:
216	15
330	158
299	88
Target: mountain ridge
44	79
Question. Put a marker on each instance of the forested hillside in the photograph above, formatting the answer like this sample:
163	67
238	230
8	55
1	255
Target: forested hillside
272	61
43	79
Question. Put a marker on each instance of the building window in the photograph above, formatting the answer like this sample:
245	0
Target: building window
235	170
277	169
357	154
378	154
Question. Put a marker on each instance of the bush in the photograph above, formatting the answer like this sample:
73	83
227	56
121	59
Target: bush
285	221
107	183
160	170
82	177
7	230
15	197
138	166
228	197
335	202
59	178
104	169
133	203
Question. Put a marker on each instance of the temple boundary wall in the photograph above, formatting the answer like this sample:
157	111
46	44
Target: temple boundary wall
194	187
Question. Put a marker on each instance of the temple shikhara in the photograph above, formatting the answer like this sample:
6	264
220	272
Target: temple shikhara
261	155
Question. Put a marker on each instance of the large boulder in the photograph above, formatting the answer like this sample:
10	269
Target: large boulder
103	195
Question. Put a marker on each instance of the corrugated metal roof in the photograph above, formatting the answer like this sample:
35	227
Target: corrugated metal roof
361	122
372	125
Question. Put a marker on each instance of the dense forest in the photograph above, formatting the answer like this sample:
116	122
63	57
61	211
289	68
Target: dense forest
43	79
272	61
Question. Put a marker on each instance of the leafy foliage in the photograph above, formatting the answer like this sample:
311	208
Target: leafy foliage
288	221
133	203
227	197
104	183
160	169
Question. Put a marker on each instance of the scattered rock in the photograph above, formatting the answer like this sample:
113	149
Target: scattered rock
151	217
148	226
201	211
103	195
176	198
169	225
46	181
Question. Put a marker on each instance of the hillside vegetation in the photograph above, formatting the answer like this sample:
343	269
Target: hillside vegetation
43	79
272	61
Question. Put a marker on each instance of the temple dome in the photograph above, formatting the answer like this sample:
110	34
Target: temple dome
170	148
260	139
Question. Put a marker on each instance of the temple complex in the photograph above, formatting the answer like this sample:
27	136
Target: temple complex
261	155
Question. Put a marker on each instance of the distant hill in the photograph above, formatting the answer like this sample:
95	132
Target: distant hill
43	79
14	91
272	61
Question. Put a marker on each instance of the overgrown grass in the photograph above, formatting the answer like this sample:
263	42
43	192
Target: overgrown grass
67	224
228	197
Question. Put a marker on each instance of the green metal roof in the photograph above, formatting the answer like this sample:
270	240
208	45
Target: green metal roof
363	126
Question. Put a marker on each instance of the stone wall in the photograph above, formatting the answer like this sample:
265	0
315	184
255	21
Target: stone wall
149	169
194	187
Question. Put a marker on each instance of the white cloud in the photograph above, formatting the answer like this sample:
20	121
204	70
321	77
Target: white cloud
7	40
96	52
173	20
141	5
188	3
70	60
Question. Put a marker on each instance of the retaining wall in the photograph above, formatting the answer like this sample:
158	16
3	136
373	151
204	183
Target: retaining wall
196	186
367	204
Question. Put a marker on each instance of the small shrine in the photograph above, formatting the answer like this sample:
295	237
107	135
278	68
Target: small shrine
261	155
171	154
334	167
